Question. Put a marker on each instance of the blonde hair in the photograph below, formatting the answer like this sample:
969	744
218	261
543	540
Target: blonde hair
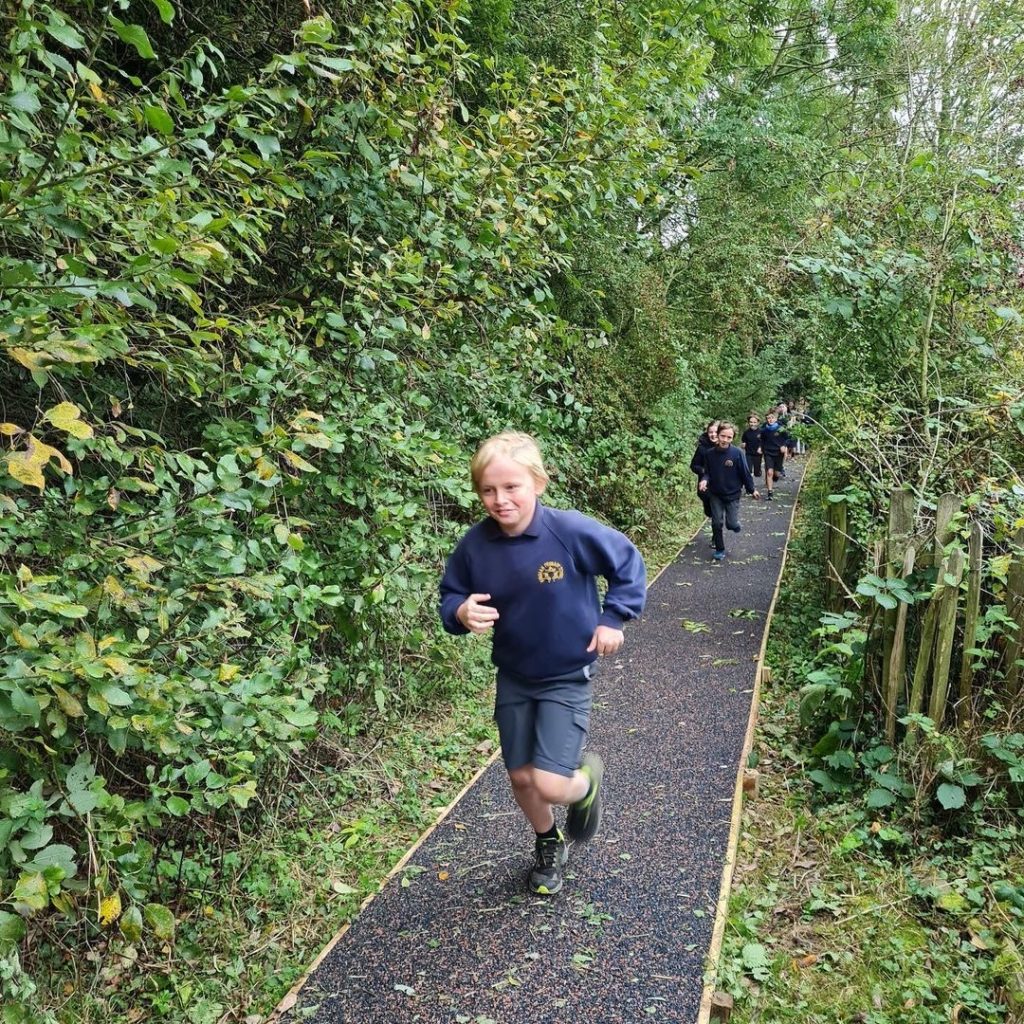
518	447
726	425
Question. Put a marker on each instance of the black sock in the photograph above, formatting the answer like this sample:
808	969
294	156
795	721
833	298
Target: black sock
551	834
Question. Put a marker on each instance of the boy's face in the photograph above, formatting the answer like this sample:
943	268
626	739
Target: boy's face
771	417
509	492
725	438
753	422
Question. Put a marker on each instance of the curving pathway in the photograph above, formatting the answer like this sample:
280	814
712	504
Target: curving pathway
455	938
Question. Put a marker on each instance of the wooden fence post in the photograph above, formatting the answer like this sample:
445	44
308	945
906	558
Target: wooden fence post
897	660
926	644
836	523
901	526
972	609
947	507
1015	609
944	636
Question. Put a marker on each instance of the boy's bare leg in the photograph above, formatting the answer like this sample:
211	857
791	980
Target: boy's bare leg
536	792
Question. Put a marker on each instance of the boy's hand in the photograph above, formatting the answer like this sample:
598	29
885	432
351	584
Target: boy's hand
702	486
605	640
476	616
756	494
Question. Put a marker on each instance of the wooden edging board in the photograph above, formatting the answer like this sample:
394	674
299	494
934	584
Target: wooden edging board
725	889
291	997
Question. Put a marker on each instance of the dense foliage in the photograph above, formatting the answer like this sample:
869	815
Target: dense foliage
903	301
267	275
269	271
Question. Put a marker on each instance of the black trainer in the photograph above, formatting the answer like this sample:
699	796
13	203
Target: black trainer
550	857
584	817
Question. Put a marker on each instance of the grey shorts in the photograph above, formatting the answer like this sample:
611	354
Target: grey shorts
544	722
774	462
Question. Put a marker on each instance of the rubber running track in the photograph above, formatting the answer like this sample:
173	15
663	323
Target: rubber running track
456	938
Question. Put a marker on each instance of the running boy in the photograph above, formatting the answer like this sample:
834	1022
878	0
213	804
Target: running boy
752	444
725	475
528	573
773	445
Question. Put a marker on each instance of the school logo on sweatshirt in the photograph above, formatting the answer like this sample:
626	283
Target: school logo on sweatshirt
729	462
549	572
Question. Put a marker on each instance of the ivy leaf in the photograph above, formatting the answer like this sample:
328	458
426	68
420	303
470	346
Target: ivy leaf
134	35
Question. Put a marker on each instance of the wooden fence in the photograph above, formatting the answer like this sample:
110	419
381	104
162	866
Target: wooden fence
923	655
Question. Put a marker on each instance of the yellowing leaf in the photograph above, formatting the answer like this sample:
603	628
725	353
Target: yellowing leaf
27	466
306	414
265	470
143	565
10	429
228	672
97	93
206	250
69	704
68	417
317	440
117	664
299	462
31	891
23	640
110	909
30	360
25	471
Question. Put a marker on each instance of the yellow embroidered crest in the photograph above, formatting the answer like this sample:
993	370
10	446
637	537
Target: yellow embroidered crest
550	571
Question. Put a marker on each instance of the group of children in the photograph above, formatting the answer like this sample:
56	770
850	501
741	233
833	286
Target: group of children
527	574
724	470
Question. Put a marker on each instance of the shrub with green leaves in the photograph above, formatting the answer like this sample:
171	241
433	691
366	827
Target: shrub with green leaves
261	293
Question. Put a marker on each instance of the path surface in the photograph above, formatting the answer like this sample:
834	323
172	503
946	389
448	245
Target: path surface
456	938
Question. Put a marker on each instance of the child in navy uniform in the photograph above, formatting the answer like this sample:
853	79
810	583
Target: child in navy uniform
528	573
774	441
705	443
752	444
725	475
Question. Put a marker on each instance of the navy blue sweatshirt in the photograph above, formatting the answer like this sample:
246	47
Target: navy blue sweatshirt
773	439
751	440
727	472
704	443
543	585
